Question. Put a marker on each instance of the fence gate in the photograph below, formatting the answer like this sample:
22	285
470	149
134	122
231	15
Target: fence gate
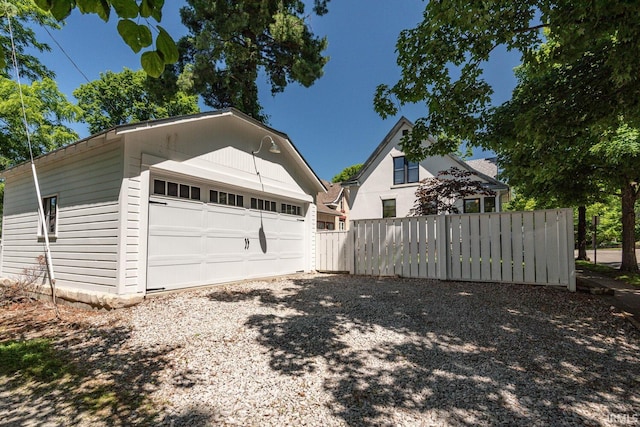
334	251
515	247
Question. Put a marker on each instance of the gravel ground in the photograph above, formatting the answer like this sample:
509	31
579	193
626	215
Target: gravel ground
337	350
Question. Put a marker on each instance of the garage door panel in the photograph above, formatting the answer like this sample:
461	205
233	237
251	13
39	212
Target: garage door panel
175	245
193	244
172	275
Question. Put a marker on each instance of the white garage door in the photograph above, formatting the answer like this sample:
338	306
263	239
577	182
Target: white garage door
193	243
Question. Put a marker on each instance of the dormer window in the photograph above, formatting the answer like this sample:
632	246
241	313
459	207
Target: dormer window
404	171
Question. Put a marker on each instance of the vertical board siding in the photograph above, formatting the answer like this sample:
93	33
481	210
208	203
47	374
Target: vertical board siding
514	247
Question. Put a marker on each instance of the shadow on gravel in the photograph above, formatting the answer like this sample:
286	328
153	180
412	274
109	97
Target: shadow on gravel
463	353
108	380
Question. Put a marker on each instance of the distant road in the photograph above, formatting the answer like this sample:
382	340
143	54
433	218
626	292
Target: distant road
610	257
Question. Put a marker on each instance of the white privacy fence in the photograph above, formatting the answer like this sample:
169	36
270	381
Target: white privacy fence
516	247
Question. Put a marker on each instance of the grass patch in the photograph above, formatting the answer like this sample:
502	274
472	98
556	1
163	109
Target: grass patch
33	359
630	278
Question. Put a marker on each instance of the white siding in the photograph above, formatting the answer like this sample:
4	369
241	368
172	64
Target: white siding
85	251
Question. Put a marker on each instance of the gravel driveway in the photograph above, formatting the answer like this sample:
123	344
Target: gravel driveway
347	350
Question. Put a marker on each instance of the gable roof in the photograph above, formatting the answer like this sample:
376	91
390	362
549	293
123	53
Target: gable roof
492	183
355	180
332	195
109	134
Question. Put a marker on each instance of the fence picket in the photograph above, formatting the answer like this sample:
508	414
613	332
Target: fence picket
517	247
505	250
465	246
431	248
422	247
485	247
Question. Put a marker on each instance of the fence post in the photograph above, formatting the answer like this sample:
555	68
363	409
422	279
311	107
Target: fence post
442	242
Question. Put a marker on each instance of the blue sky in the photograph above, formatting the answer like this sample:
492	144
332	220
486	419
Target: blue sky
332	123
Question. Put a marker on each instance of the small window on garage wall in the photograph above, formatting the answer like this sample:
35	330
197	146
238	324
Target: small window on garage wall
50	207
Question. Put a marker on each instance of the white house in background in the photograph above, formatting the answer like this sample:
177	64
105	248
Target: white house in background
386	184
166	204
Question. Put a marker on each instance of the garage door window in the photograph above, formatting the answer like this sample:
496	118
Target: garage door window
291	209
174	189
263	205
223	198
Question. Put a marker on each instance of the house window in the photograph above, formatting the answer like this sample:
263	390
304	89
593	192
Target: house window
321	225
389	208
404	171
342	225
489	204
471	205
50	207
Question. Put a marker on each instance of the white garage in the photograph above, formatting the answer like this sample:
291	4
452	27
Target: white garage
163	205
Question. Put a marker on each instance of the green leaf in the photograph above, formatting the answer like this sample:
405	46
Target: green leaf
103	9
136	36
87	6
44	4
152	63
61	9
166	46
125	8
146	9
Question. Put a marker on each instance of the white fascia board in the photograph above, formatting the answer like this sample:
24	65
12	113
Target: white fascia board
157	164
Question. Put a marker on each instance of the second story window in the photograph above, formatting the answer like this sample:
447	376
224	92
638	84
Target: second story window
404	171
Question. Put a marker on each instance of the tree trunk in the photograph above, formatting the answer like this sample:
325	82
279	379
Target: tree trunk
629	260
582	233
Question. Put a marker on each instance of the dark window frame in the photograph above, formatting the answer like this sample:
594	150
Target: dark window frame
50	210
475	200
405	171
386	208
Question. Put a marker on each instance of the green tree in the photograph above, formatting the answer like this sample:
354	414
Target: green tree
588	110
347	173
46	110
134	34
131	96
18	18
442	60
552	146
231	43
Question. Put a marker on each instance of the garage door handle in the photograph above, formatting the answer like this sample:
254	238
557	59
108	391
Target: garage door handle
157	203
247	242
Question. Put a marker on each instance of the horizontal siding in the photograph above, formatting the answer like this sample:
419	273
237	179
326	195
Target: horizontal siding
85	251
79	179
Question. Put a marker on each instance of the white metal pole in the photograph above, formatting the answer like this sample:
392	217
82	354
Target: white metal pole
45	232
